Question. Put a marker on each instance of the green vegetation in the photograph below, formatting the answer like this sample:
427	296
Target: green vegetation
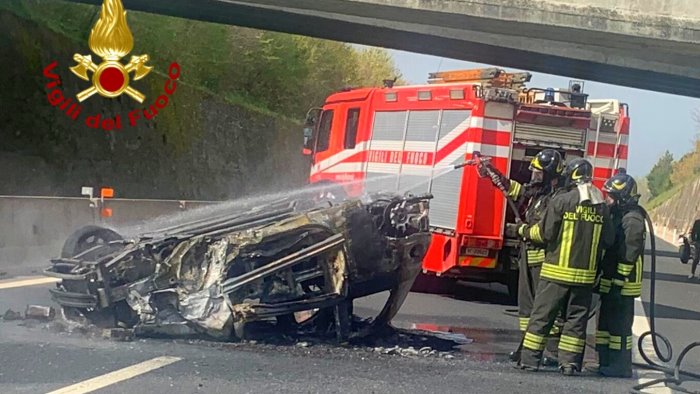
662	198
659	178
668	176
268	71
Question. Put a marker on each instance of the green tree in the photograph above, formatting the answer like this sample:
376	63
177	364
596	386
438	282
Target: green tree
282	73
374	65
659	178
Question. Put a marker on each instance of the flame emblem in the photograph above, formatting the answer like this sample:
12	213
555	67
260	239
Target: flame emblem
111	40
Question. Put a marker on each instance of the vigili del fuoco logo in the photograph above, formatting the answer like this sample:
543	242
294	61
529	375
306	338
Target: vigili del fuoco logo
111	40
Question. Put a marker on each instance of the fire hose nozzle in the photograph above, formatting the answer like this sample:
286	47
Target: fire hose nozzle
478	160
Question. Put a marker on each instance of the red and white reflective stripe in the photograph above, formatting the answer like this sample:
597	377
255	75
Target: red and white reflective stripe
607	162
610	152
608	138
386	156
499	151
455	133
340	156
346	167
501	125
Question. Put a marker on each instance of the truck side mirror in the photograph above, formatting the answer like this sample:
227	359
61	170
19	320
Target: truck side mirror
308	140
309	125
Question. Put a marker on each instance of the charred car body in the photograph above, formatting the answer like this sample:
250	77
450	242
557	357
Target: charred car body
213	275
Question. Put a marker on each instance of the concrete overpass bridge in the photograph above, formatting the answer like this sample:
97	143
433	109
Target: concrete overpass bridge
647	44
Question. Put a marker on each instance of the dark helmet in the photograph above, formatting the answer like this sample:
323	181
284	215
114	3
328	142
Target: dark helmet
549	162
578	171
622	188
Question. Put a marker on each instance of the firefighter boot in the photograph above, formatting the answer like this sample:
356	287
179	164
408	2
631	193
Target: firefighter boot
620	360
551	352
550	361
514	356
603	356
568	369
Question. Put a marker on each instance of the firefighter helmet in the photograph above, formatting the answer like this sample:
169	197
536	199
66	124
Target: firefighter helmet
548	161
578	171
622	188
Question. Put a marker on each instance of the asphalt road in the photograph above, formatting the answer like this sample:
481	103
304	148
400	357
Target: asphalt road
35	358
677	303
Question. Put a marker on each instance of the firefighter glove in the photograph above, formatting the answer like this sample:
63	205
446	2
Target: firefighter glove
497	178
513	230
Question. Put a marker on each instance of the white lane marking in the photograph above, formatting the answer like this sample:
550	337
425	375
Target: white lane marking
639	327
120	375
26	281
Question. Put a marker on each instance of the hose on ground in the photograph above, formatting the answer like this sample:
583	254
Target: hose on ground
674	376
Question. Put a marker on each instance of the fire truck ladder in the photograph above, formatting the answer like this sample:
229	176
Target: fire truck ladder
489	77
597	139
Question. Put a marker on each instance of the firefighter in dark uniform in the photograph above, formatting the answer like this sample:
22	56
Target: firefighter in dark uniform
546	168
695	239
621	282
575	228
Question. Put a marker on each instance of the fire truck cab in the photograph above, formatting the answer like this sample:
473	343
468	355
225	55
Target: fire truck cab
408	139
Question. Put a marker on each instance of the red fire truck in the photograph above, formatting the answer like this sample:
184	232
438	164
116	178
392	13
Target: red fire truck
408	138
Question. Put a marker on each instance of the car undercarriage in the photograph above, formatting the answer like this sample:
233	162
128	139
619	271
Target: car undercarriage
298	261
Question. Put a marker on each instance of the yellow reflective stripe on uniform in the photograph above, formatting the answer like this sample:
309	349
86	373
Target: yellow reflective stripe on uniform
523	323
533	341
535	256
602	338
568	275
571	344
567	237
536	234
632	290
629	343
605	285
514	189
624	269
618	282
597	229
615	342
640	269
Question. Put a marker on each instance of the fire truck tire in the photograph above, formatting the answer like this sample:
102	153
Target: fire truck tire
432	284
512	284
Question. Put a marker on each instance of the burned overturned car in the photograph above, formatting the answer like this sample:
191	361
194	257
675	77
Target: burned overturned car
296	261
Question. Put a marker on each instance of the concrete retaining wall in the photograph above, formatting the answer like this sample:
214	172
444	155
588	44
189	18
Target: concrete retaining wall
676	216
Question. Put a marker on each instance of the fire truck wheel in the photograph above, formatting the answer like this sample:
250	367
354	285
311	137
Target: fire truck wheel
512	284
432	284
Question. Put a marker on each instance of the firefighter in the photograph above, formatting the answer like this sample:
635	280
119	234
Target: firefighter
546	168
621	282
695	240
575	228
